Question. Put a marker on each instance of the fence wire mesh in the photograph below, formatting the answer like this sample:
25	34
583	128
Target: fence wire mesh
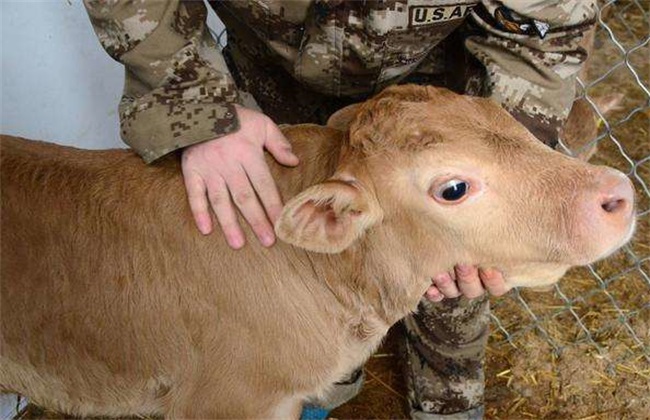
605	303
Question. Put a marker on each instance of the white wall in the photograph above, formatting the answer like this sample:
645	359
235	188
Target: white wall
58	84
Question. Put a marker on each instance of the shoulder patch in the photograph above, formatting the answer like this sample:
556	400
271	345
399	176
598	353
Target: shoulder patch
512	22
429	15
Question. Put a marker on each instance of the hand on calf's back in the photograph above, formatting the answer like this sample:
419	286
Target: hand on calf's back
229	174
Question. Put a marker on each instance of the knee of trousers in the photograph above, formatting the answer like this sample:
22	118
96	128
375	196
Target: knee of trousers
443	381
455	323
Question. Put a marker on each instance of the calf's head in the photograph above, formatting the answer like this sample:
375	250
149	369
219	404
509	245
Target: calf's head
431	179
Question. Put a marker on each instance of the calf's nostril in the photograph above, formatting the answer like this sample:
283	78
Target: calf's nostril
613	205
616	195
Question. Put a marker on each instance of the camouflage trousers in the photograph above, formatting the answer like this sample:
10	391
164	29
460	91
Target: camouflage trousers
444	343
445	350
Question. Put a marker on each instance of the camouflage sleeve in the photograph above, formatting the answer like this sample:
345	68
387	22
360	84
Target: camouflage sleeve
532	55
177	87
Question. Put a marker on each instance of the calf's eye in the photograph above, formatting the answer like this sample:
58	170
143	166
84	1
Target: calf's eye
452	190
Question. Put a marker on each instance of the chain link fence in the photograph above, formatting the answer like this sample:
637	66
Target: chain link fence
607	301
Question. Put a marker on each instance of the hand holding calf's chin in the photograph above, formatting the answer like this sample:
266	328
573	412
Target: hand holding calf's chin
469	281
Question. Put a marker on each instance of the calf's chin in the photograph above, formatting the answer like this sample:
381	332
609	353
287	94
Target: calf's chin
535	275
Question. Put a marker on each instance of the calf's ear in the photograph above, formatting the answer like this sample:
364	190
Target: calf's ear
342	118
328	217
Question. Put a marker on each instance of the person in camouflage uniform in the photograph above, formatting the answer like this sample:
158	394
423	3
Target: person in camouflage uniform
299	61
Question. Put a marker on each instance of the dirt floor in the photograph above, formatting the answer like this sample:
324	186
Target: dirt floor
581	351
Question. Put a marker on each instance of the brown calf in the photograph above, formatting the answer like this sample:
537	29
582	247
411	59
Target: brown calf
113	303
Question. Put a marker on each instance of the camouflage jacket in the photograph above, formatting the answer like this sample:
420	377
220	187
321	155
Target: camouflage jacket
179	90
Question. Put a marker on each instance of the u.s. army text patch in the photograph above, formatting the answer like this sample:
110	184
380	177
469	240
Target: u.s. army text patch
427	15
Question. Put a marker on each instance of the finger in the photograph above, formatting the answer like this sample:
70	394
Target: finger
493	281
263	183
225	212
196	196
468	281
446	285
245	199
278	145
433	294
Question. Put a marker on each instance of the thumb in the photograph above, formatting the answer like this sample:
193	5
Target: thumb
279	146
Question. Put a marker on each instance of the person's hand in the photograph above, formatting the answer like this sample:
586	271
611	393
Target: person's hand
469	281
232	170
